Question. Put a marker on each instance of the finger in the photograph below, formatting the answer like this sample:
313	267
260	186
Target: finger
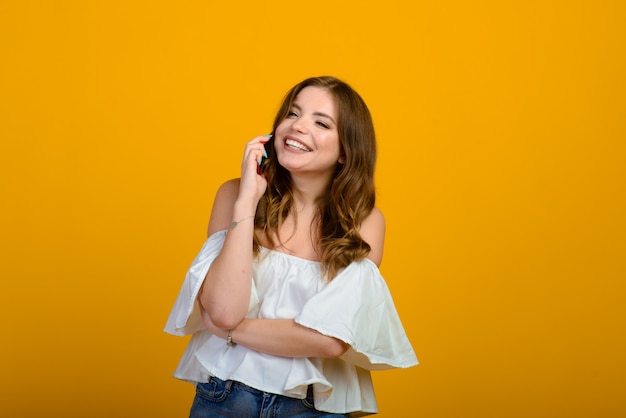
258	150
255	150
260	139
253	160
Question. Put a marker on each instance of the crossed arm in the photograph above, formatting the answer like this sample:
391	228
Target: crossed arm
225	293
280	337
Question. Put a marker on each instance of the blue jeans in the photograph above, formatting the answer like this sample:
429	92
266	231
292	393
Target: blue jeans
231	399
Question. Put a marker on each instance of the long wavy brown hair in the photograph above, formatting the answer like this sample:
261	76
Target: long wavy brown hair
350	194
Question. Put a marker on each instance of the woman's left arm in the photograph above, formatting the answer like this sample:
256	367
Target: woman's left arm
280	337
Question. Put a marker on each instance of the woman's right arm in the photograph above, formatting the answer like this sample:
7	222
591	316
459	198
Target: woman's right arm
225	293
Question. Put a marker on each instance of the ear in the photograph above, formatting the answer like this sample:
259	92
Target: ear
342	159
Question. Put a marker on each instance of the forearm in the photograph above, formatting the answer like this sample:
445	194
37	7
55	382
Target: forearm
281	337
225	293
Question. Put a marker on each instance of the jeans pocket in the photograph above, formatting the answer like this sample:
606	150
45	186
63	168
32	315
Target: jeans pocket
214	390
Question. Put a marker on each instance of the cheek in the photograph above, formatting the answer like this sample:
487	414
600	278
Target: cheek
333	141
281	128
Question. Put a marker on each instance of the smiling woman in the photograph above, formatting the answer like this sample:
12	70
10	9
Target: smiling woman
307	140
285	300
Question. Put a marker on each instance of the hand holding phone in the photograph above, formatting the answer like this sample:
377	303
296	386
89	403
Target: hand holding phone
266	153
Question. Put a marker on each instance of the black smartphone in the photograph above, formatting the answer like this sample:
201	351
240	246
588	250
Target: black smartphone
269	145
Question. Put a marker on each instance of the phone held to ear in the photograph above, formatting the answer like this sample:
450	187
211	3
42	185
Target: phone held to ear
266	153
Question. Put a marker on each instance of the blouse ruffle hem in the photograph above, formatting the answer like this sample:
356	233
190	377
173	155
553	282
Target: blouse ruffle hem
355	307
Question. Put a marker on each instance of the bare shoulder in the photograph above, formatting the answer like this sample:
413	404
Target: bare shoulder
221	214
373	232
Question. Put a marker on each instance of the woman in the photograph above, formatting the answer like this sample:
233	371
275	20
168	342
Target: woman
285	301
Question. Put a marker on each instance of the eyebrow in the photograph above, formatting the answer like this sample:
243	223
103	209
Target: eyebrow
324	115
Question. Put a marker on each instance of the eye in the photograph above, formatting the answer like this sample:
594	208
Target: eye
323	124
292	114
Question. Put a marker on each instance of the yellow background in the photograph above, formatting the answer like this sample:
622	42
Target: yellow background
501	173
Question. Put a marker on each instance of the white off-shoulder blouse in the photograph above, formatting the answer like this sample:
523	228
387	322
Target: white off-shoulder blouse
355	307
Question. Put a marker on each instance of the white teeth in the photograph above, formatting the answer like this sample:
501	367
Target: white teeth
297	145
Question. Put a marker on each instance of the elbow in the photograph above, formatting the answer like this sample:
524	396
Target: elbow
227	324
220	316
219	319
334	348
225	320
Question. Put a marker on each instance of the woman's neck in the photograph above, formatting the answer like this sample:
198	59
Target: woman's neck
307	191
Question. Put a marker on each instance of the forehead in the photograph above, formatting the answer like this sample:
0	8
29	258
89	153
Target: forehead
316	99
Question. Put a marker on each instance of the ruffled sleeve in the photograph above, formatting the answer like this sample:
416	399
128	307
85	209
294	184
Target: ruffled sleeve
357	308
185	317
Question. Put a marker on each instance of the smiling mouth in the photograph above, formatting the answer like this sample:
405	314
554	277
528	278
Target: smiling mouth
297	145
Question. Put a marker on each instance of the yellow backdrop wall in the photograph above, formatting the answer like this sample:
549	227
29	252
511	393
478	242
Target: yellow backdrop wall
501	175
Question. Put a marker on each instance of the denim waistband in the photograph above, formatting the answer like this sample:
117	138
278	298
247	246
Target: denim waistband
228	384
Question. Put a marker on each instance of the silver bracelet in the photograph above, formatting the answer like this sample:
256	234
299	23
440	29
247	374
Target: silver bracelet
234	224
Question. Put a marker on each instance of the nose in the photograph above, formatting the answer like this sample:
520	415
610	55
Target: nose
299	125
